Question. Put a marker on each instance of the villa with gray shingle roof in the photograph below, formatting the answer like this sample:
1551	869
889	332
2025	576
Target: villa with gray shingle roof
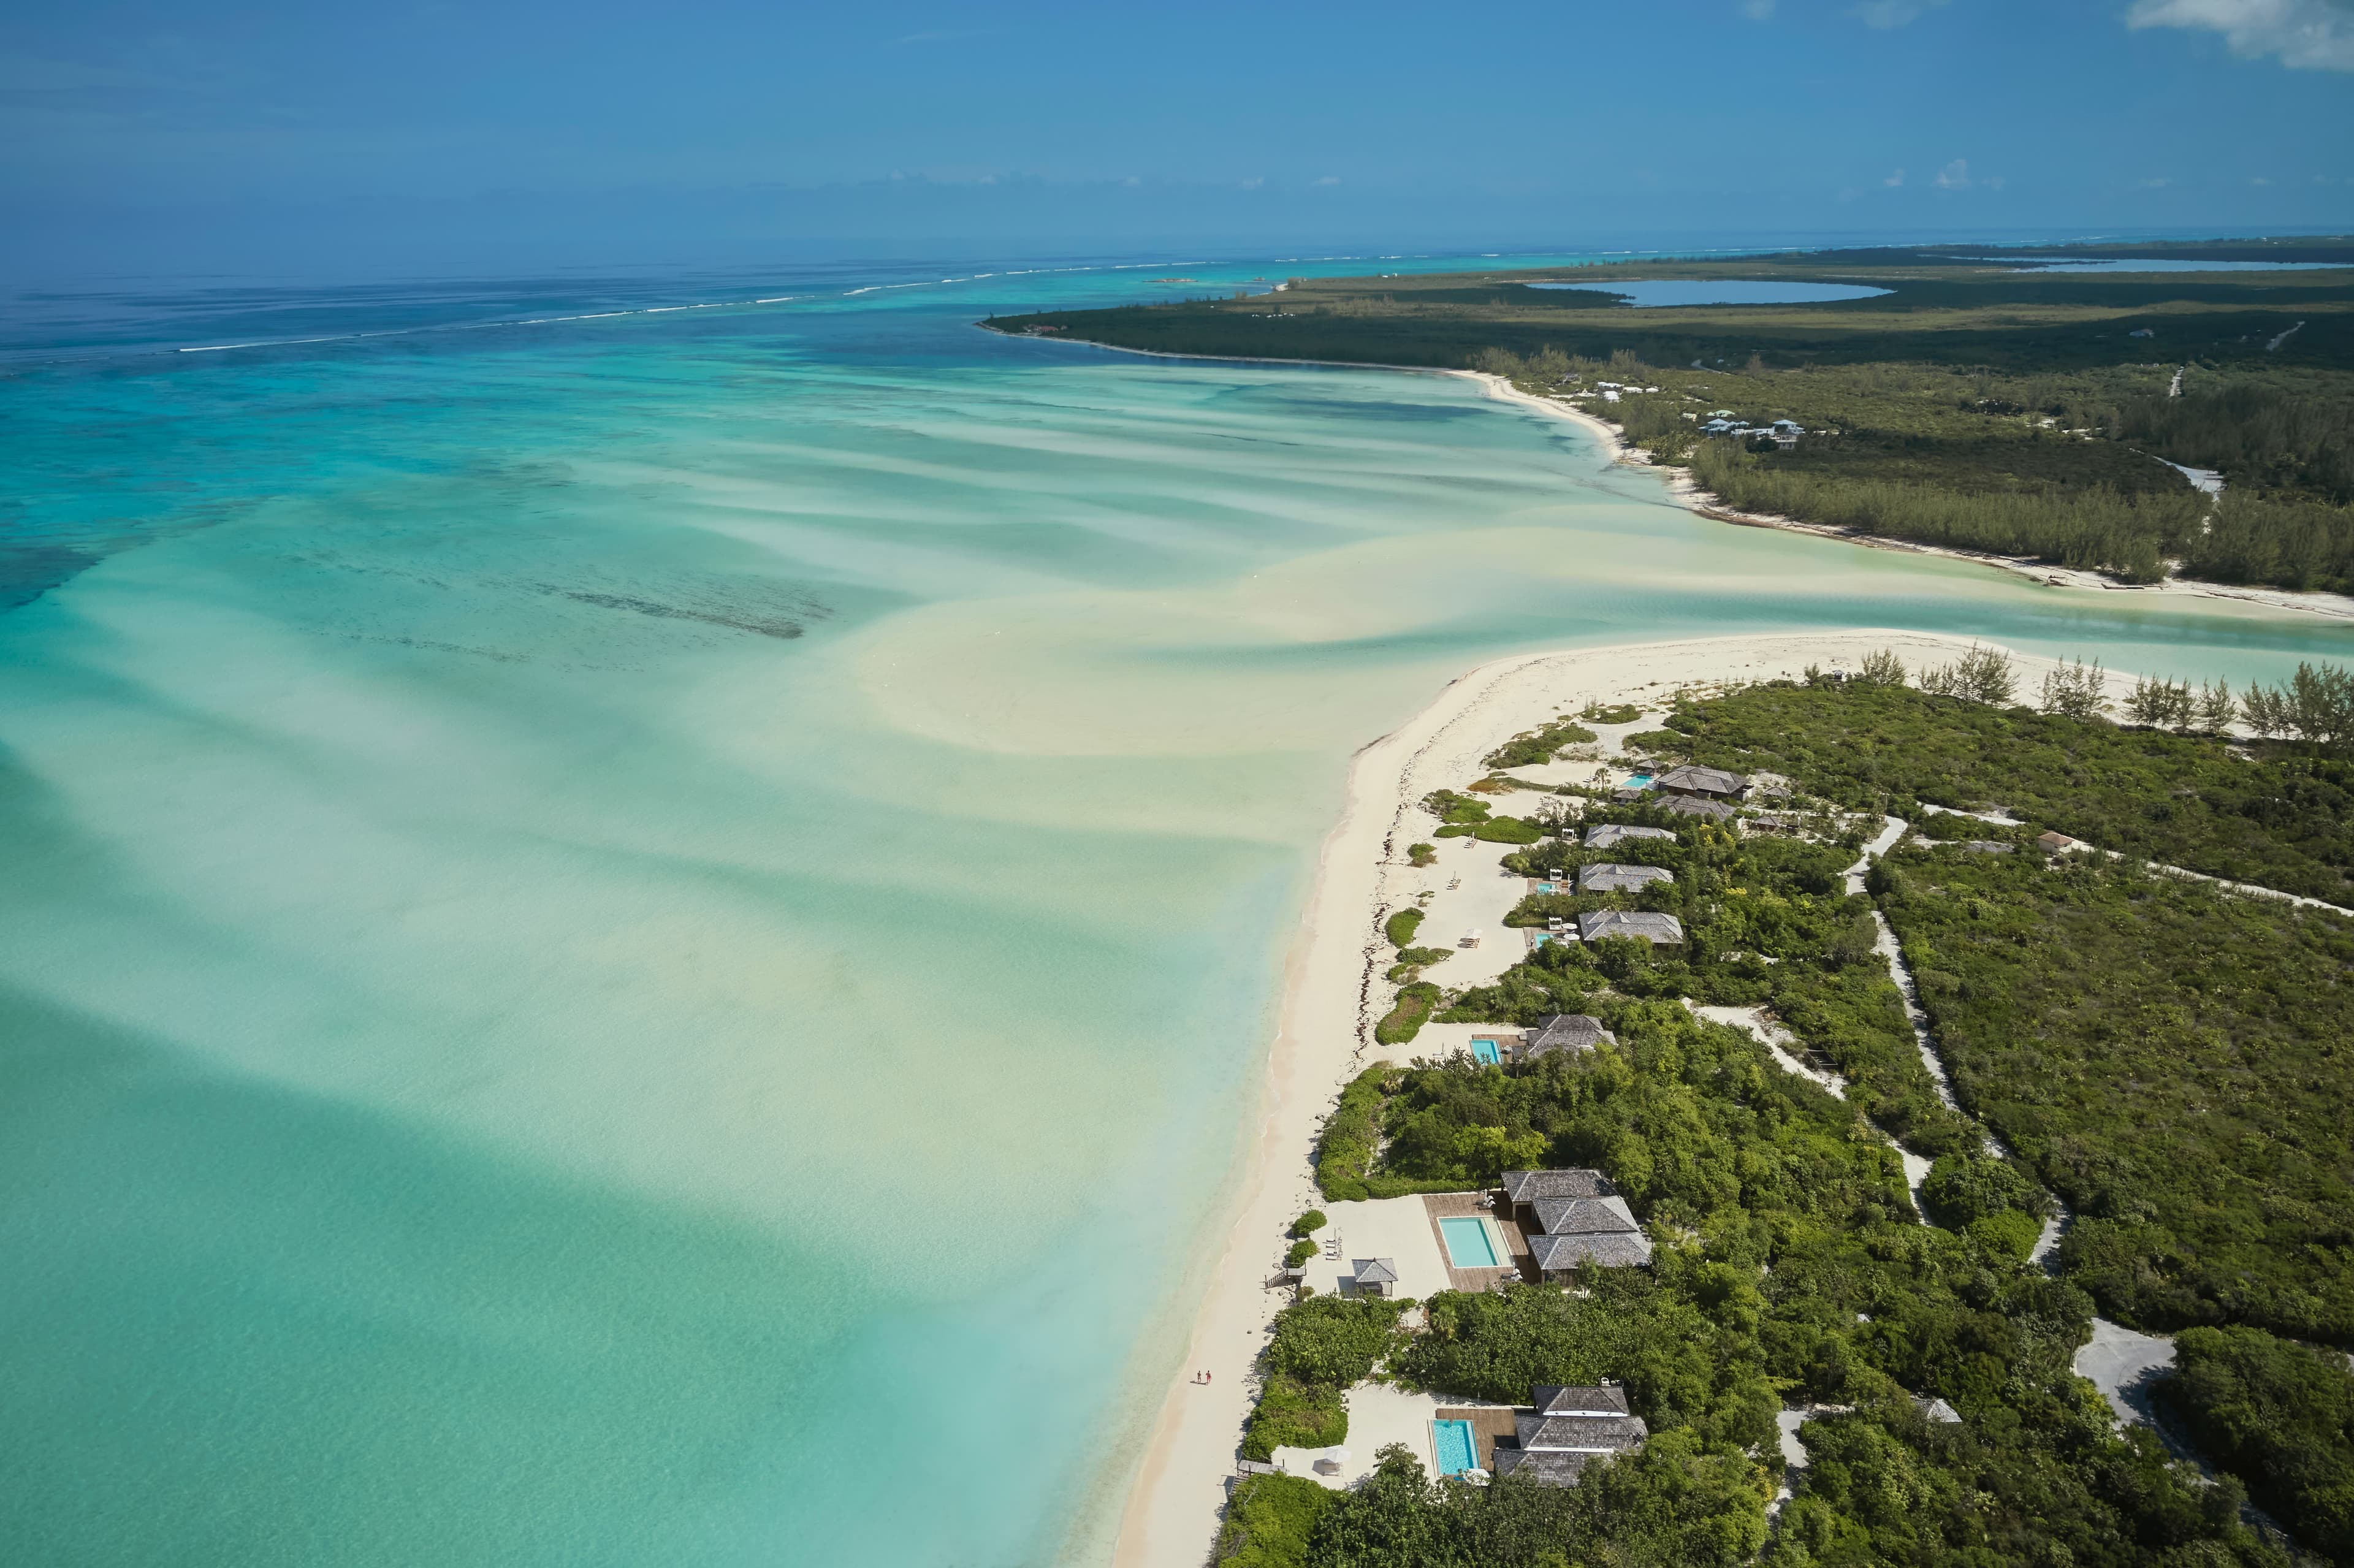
1695	806
1582	1216
1558	1257
1603	835
1528	1186
1580	1433
1556	1399
1565	1031
1605	877
1714	782
1374	1275
1551	1467
1659	930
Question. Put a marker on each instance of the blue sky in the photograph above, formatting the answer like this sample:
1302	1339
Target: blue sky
150	136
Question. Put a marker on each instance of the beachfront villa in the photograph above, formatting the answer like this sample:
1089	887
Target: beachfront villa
1704	783
1571	1217
1659	930
1568	1430
1608	835
1564	1032
1698	806
1606	877
1374	1275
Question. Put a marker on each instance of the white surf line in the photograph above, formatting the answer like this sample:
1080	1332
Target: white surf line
488	326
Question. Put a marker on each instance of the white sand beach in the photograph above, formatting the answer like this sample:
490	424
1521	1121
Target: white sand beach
1687	492
1333	992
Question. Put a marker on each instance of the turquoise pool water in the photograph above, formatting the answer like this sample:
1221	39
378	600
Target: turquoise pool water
1640	781
1485	1050
1456	1452
1467	1246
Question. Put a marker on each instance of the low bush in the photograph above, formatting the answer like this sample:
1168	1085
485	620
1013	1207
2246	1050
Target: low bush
1404	1021
2278	1415
1299	1253
1401	927
1309	1223
1268	1520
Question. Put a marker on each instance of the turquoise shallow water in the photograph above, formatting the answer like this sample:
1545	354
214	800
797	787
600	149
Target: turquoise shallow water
644	939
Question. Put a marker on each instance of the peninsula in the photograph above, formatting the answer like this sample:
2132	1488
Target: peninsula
1866	1241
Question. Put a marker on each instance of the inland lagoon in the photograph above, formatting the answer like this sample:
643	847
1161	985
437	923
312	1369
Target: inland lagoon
638	933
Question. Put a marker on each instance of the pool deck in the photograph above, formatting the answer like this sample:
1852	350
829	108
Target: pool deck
1450	1205
1489	1422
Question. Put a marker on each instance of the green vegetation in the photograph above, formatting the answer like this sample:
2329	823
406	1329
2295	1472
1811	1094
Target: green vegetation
1421	854
1538	746
1767	920
1401	927
1405	1018
1616	713
1318	1348
2284	819
1420	956
1986	406
2168	1058
1790	1266
2278	1415
1268	1520
1299	1252
1309	1223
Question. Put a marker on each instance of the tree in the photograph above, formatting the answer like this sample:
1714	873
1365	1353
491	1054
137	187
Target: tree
1882	667
2161	704
2075	690
2215	706
1983	674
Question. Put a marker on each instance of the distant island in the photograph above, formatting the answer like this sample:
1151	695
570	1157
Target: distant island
2036	406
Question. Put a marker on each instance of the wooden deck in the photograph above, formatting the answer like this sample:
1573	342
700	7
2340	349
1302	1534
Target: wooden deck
1489	1422
1448	1205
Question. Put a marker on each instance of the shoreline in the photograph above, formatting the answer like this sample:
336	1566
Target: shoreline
1682	492
1324	1021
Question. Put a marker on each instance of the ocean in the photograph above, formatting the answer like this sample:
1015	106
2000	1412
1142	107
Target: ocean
639	925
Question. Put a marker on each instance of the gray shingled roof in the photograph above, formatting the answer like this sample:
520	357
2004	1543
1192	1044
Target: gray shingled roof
1376	1270
1608	879
1602	835
1586	1434
1551	1466
1556	1399
1638	923
1688	806
1528	1186
1707	781
1566	1032
1582	1216
1611	1249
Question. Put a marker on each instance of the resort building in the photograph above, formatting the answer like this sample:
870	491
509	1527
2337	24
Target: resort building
1374	1275
1564	1032
1607	835
1659	930
1608	879
1570	1217
1697	806
1710	783
1568	1430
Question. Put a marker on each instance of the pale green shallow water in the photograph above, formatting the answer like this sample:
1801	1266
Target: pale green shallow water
645	940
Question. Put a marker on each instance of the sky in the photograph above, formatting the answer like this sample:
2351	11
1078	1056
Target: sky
272	135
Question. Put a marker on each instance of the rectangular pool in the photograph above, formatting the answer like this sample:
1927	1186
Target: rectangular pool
1456	1452
1467	1246
1485	1050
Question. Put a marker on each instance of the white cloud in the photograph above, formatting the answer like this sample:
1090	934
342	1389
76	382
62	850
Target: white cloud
2260	180
2157	183
2307	34
1894	180
1254	182
1327	180
1955	177
1757	10
1893	12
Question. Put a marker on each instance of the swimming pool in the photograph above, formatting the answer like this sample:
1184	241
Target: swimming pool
1456	1452
1485	1050
1467	1246
1640	781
